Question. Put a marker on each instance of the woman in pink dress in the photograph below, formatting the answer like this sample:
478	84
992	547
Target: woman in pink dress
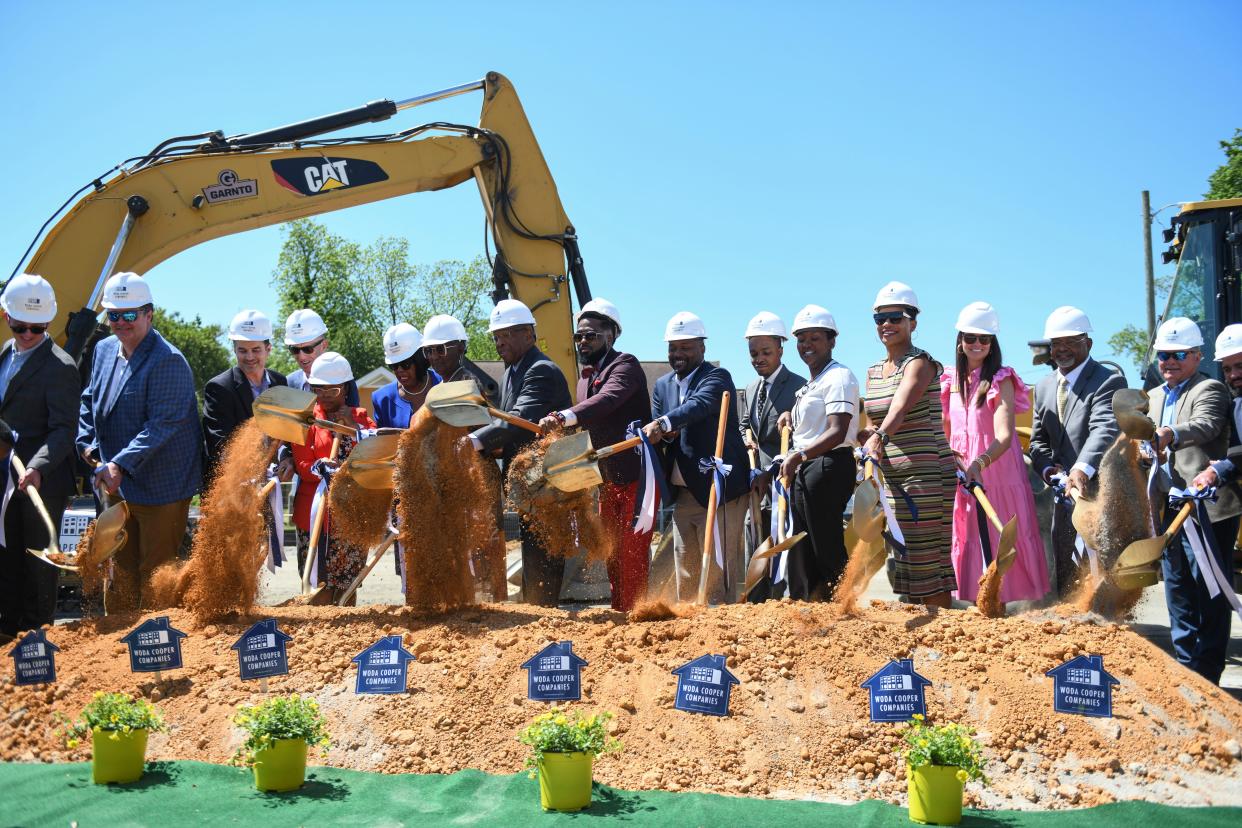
979	420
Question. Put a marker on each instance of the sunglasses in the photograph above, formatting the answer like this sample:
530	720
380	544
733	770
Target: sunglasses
892	317
589	336
404	364
326	390
437	350
128	316
982	339
1165	356
34	329
304	349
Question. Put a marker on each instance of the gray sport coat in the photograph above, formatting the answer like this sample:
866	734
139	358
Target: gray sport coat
780	399
1202	426
1089	427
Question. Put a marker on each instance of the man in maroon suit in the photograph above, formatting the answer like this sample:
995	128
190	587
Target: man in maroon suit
612	393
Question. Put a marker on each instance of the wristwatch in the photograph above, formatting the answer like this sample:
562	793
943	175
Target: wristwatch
884	438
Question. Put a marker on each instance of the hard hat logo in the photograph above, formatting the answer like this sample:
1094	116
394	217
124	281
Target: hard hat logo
313	176
230	188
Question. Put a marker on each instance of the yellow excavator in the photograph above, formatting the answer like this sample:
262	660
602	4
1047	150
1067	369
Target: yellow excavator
193	188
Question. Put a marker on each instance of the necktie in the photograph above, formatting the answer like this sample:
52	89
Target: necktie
763	397
1062	397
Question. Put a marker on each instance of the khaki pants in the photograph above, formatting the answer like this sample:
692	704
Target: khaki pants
154	536
689	525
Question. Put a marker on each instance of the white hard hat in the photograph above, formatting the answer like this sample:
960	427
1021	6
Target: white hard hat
896	293
330	368
978	318
125	291
442	329
250	326
29	298
766	323
603	308
304	326
684	325
1178	333
401	342
509	313
813	316
1066	320
1229	343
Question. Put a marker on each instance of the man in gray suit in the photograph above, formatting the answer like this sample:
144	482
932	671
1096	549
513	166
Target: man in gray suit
1192	412
1072	422
772	393
38	400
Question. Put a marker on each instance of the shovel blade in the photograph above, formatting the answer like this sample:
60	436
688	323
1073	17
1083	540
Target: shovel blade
368	475
456	393
281	425
756	571
568	463
870	529
110	528
381	448
1006	553
876	554
1130	408
463	415
289	400
42	554
1142	552
1134	577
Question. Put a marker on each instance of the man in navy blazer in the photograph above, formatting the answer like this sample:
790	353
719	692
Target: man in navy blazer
686	410
139	421
533	387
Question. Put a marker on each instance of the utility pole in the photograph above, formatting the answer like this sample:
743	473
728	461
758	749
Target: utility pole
1151	276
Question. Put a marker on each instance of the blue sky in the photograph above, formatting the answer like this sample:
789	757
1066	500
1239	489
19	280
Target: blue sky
715	157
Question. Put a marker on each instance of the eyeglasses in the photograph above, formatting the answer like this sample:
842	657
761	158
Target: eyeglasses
304	349
128	316
982	339
34	329
326	390
404	364
589	336
1165	356
438	350
892	317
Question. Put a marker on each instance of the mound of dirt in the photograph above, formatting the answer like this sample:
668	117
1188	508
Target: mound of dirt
797	725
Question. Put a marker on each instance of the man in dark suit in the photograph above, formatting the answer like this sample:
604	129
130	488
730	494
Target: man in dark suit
38	401
228	397
139	420
686	410
533	387
772	394
1072	423
612	393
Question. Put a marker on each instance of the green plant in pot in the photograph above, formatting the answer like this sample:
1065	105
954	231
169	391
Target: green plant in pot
117	725
563	748
940	759
279	731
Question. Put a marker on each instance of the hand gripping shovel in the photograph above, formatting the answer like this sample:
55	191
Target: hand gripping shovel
1005	553
52	554
286	414
783	542
571	464
462	404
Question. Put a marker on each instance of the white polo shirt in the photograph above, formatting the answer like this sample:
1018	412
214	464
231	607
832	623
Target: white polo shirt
834	391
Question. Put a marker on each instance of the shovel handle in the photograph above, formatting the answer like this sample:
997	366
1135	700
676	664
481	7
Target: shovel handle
312	548
336	428
267	488
988	509
53	533
513	419
1182	514
711	503
782	505
379	553
608	451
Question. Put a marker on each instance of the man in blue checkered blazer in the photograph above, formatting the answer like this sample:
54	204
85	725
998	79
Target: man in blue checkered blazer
139	421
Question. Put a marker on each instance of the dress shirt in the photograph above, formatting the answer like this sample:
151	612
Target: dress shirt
1070	379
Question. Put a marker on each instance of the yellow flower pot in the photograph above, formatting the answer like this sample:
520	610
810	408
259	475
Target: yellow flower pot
117	756
565	781
281	767
935	794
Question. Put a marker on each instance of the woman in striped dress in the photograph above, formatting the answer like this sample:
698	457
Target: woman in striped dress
907	438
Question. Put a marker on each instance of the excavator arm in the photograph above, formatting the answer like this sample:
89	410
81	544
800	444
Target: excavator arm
191	190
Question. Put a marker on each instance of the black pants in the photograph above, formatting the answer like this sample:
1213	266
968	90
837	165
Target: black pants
822	487
541	573
1063	536
27	585
1198	623
763	589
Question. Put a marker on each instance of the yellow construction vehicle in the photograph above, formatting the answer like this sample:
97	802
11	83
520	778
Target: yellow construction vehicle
194	188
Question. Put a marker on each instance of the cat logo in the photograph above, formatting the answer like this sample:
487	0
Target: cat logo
313	176
230	188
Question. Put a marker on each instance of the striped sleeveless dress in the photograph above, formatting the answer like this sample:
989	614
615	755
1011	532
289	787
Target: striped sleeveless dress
919	460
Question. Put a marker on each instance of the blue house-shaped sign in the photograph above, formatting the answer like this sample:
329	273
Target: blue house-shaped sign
382	666
34	659
154	646
896	692
554	673
704	685
1082	686
261	651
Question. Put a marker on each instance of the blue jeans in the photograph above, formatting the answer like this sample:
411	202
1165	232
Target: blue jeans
1198	623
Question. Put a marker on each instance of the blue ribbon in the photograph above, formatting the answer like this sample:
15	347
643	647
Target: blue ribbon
778	570
717	469
275	524
651	488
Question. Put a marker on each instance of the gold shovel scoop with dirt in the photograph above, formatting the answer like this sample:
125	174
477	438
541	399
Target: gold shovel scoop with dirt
756	568
109	535
286	414
461	404
371	462
864	533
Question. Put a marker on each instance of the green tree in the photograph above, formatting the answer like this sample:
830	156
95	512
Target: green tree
1131	342
1226	182
461	290
197	341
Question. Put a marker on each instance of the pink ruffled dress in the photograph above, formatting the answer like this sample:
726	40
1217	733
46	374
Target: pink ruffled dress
1006	485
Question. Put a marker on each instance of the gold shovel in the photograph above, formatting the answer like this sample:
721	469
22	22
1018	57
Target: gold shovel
312	547
1142	552
1006	553
462	404
1130	407
52	554
571	464
371	463
286	414
388	541
868	519
768	549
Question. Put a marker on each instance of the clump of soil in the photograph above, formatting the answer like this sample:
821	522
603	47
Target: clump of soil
797	726
659	611
90	569
566	523
446	512
988	600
